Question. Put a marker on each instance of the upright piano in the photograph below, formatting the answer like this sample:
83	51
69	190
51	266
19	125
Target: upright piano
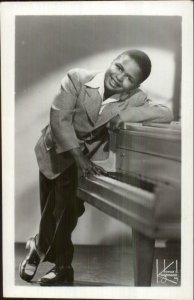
142	189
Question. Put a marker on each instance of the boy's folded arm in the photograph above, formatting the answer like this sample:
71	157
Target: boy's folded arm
147	112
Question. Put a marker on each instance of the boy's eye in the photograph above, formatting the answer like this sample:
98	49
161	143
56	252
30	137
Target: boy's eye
119	67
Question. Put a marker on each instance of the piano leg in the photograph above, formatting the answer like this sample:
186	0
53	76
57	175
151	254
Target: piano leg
143	248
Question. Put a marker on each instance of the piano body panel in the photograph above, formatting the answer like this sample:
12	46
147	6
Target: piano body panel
168	204
153	168
151	152
159	145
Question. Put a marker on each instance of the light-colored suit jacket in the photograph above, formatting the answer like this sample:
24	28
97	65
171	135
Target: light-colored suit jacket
75	122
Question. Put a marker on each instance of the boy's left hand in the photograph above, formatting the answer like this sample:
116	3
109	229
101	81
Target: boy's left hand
115	123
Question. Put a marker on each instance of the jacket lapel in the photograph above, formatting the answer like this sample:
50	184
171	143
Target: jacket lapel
110	111
92	104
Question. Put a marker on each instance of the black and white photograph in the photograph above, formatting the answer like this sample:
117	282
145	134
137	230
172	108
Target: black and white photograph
97	150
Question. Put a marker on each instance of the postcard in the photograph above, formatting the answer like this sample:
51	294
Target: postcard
97	123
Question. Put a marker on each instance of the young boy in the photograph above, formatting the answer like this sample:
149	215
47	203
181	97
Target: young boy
77	135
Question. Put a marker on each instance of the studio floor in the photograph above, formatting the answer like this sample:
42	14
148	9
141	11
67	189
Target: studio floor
99	265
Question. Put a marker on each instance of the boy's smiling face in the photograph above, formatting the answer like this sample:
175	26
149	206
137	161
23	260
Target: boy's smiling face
122	76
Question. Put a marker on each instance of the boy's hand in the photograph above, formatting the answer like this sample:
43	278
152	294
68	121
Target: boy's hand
115	123
86	166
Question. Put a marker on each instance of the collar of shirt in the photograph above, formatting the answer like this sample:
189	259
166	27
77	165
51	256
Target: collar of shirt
97	82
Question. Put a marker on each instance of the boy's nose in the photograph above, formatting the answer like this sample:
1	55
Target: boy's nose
120	77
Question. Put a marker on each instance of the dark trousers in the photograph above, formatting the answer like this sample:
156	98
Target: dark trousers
60	209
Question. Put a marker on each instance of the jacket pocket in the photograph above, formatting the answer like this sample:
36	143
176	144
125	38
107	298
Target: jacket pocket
47	138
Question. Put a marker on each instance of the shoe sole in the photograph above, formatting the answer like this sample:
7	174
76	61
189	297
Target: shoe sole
66	283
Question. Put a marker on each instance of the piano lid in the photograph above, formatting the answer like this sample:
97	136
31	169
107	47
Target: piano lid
172	130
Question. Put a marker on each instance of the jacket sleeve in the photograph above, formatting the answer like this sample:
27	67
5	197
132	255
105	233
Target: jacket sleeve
61	114
147	112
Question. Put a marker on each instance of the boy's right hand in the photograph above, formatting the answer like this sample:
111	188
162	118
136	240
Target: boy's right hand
85	165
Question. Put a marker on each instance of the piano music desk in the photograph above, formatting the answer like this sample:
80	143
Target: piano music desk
144	188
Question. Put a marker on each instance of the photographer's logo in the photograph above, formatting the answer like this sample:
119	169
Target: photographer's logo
167	271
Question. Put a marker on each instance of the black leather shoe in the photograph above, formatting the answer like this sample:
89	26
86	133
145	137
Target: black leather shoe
59	275
28	267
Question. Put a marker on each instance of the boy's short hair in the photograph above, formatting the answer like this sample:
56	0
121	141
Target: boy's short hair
142	59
